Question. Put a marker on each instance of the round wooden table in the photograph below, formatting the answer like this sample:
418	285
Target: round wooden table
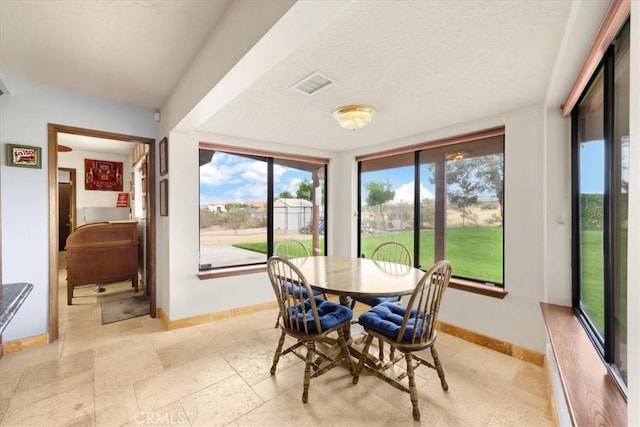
350	277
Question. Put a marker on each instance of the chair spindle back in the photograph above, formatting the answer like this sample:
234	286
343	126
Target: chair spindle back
424	304
392	252
295	309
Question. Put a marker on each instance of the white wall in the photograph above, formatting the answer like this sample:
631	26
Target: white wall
516	318
94	198
24	115
633	276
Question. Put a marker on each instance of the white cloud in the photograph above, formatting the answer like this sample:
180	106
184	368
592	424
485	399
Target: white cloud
404	193
228	170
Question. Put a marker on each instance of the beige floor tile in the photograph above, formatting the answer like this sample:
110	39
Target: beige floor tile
218	374
116	407
512	413
168	416
176	383
9	379
65	408
34	395
79	340
173	355
55	370
17	361
220	403
128	366
282	381
253	362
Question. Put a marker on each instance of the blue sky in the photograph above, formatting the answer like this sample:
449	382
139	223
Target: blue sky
592	167
230	178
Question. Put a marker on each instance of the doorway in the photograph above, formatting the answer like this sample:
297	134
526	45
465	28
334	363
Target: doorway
66	204
148	241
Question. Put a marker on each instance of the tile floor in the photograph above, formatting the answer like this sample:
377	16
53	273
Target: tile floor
135	372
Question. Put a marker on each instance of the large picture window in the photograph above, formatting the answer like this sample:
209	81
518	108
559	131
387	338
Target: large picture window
455	212
250	201
600	123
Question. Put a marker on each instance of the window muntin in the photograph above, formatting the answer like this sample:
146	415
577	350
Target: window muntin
459	200
245	209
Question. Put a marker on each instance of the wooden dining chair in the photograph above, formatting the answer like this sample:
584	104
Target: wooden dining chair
408	329
394	252
291	248
308	321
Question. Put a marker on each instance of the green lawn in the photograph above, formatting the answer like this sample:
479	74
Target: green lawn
475	252
592	277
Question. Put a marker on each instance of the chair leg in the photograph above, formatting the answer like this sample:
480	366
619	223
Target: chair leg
278	320
307	371
413	392
277	354
436	361
345	350
363	356
381	350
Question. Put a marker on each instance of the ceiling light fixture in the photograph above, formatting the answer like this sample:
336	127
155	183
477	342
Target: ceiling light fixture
354	117
459	155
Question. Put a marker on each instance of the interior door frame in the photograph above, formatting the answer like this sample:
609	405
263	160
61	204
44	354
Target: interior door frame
150	264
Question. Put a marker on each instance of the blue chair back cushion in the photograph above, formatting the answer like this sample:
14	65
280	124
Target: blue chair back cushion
373	301
329	313
386	319
296	289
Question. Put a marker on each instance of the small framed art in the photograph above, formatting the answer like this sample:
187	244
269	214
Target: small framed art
164	197
24	156
164	160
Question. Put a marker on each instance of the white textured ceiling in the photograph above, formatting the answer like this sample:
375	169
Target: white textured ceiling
423	65
98	145
131	51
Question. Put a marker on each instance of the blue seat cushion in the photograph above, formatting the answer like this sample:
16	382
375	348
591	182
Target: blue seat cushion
373	301
386	319
329	313
296	289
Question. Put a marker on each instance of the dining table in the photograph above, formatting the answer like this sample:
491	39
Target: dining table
349	277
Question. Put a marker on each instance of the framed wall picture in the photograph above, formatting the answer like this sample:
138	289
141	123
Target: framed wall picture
164	197
24	156
164	160
103	175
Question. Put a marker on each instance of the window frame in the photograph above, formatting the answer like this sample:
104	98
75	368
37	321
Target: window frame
465	284
606	345
271	158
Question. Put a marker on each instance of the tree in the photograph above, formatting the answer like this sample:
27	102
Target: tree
305	190
463	185
491	174
469	178
285	195
379	193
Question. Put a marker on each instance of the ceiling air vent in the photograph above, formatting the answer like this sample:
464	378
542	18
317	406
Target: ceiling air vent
312	83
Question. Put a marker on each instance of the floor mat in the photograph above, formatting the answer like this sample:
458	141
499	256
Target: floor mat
126	308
